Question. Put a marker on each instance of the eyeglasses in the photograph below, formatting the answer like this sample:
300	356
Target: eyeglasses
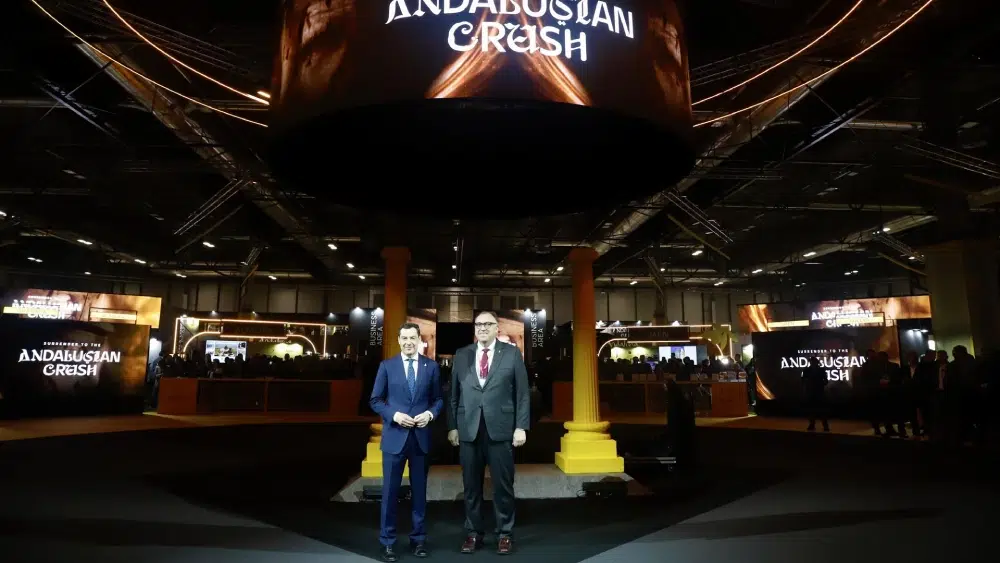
485	325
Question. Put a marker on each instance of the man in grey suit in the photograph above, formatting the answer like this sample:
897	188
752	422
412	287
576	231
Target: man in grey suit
488	416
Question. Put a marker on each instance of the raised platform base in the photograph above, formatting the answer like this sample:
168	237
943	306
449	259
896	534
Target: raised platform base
531	481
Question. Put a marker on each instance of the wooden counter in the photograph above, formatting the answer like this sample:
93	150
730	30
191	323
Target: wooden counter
186	396
728	399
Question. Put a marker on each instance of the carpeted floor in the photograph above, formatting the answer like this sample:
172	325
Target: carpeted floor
261	494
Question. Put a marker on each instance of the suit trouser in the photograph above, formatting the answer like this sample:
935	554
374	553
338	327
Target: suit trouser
392	478
499	456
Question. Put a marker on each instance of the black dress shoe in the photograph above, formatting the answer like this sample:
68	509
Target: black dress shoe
419	550
388	554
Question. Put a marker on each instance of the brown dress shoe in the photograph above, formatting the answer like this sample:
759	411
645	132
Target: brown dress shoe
472	543
504	546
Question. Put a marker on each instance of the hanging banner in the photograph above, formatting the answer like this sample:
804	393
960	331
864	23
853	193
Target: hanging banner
535	333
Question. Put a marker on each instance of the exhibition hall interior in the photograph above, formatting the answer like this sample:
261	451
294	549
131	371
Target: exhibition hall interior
747	251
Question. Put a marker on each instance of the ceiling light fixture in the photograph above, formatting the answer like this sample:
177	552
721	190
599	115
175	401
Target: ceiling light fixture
361	277
560	268
180	275
697	253
819	77
349	266
141	75
809	254
86	242
757	271
633	282
332	246
138	261
33	259
86	273
454	266
272	278
453	280
208	244
548	280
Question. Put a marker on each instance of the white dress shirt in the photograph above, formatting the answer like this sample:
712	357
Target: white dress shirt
416	364
489	359
416	369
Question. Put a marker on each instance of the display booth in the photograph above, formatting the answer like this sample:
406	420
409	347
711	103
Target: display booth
785	336
75	353
226	339
722	395
222	340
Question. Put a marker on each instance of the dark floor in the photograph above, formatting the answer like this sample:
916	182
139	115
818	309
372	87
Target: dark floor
262	494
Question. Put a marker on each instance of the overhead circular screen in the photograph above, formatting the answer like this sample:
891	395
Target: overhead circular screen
534	99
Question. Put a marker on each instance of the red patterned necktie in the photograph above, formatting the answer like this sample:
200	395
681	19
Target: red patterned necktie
484	364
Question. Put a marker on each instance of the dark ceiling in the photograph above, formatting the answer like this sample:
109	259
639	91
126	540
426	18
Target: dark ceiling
844	178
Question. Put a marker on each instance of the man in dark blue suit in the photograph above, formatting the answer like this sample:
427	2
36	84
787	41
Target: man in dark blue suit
407	395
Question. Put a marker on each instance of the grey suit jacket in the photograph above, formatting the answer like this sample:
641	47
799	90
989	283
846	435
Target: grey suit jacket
505	400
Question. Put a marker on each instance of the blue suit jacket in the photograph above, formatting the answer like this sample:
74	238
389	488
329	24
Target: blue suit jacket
391	394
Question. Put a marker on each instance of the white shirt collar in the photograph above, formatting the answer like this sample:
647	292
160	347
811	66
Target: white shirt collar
414	358
491	347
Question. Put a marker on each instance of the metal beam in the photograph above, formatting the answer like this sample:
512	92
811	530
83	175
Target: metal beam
172	114
66	100
730	140
741	131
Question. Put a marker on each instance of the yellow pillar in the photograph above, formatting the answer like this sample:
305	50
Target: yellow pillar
587	447
394	314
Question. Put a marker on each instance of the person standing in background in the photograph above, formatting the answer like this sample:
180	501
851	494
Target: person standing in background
814	381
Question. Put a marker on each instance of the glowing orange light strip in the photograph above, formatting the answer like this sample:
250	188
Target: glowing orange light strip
825	74
141	75
180	62
776	65
190	340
